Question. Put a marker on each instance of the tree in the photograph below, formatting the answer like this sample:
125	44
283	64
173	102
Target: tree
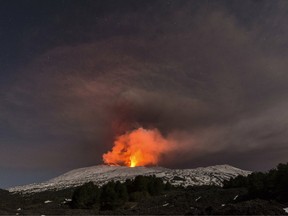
115	194
86	196
271	185
281	180
238	181
109	196
155	186
256	184
121	191
141	183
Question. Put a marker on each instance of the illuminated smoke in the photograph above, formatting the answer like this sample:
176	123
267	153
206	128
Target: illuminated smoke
139	147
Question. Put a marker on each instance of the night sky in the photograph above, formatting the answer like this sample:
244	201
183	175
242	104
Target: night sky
74	74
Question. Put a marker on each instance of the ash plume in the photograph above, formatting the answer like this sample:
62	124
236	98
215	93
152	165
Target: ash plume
203	76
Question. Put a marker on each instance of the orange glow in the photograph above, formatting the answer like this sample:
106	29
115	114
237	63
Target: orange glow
133	161
139	147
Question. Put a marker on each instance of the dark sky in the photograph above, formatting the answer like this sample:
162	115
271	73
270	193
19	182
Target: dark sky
212	74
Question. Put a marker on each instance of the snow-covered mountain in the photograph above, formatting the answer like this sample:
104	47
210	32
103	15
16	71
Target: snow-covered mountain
101	174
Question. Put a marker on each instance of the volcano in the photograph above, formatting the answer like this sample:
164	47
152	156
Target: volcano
101	174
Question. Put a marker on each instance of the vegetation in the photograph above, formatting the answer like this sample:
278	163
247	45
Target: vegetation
115	194
150	196
86	196
270	185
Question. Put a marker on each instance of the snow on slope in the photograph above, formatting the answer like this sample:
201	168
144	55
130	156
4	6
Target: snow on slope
101	174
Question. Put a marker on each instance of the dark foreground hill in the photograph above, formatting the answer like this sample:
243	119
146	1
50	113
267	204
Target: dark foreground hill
192	200
255	194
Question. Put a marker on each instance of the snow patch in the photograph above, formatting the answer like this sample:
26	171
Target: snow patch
47	201
235	197
101	174
286	209
66	201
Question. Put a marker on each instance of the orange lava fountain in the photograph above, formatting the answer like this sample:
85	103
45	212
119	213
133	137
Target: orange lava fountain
139	147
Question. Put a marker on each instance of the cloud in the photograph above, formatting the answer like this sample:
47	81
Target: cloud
201	78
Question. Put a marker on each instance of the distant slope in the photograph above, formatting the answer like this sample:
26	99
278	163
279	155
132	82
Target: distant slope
101	174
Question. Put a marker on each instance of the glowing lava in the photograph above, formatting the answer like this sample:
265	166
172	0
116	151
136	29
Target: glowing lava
139	147
133	161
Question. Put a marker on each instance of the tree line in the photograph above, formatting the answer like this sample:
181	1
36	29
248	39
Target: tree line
115	194
265	185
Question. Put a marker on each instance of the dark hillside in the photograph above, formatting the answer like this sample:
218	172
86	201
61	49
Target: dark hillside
258	193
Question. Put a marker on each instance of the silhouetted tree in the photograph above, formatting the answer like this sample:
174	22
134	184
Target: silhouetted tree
121	191
155	186
256	184
281	181
141	183
114	194
238	181
109	196
86	196
270	185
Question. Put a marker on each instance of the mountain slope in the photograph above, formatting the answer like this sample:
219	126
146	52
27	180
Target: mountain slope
101	174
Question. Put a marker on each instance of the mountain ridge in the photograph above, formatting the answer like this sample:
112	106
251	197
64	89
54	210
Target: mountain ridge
101	174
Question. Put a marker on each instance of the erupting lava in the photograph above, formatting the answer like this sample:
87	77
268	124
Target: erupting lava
139	147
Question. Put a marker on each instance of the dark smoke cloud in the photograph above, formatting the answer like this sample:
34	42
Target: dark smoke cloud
202	74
